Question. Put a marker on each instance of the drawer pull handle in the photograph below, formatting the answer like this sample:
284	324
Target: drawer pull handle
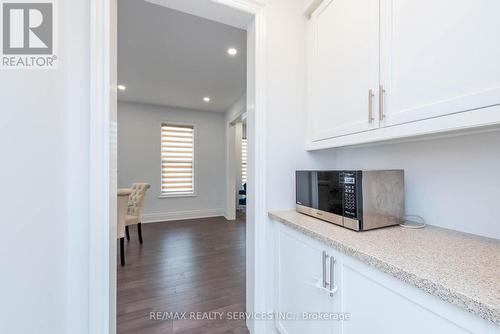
370	106
332	276
324	257
381	102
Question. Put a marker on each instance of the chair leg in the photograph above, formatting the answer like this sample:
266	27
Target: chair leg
139	230
127	233
122	251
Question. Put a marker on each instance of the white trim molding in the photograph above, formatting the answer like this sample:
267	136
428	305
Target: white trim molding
256	238
312	5
159	217
459	123
99	167
102	167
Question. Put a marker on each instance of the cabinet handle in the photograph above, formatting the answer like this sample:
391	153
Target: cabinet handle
370	106
381	96
332	275
324	257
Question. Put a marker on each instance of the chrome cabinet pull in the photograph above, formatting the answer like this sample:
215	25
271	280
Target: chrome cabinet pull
324	257
370	106
381	96
332	275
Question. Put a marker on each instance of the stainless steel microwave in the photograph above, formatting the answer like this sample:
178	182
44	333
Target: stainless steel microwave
358	200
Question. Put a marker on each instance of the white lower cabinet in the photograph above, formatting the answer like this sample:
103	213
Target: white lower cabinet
303	270
375	302
379	303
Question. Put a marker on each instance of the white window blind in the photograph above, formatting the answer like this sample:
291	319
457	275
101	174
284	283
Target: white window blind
177	159
243	161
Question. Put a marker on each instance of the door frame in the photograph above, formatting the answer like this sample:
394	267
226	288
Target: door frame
103	169
233	168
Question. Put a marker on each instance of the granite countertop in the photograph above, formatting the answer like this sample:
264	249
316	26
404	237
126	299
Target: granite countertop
462	269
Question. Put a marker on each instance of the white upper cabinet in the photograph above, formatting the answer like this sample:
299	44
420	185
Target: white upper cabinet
439	57
431	66
344	68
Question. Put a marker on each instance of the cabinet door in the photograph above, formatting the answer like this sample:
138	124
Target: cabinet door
378	303
299	286
343	68
438	57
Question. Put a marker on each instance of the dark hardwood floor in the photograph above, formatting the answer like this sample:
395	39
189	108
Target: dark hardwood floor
184	266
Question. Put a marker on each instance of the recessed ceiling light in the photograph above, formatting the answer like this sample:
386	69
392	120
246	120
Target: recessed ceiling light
232	51
206	99
122	87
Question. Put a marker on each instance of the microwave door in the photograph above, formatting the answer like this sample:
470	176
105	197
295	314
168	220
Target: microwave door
329	192
314	190
306	185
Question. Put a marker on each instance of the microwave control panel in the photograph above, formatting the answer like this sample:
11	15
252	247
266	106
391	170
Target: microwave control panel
350	187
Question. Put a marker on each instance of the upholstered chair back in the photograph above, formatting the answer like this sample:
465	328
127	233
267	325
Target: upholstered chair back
136	199
123	195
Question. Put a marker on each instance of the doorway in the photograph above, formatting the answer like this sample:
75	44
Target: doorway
176	88
247	14
237	167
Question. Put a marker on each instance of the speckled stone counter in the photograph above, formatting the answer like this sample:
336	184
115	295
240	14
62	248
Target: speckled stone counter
459	268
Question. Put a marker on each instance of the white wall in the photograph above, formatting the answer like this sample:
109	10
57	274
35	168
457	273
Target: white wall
43	126
34	204
439	176
286	87
451	182
139	159
286	102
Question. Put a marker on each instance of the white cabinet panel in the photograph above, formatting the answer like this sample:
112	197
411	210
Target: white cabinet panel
299	284
381	304
432	58
375	301
344	66
439	57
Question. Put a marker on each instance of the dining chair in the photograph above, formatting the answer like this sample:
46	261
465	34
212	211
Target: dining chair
122	205
135	206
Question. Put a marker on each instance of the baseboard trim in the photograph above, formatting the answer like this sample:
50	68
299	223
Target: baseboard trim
159	217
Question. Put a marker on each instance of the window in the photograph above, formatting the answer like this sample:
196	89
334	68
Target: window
243	161
177	159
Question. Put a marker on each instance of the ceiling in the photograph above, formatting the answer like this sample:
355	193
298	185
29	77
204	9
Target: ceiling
210	9
170	58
